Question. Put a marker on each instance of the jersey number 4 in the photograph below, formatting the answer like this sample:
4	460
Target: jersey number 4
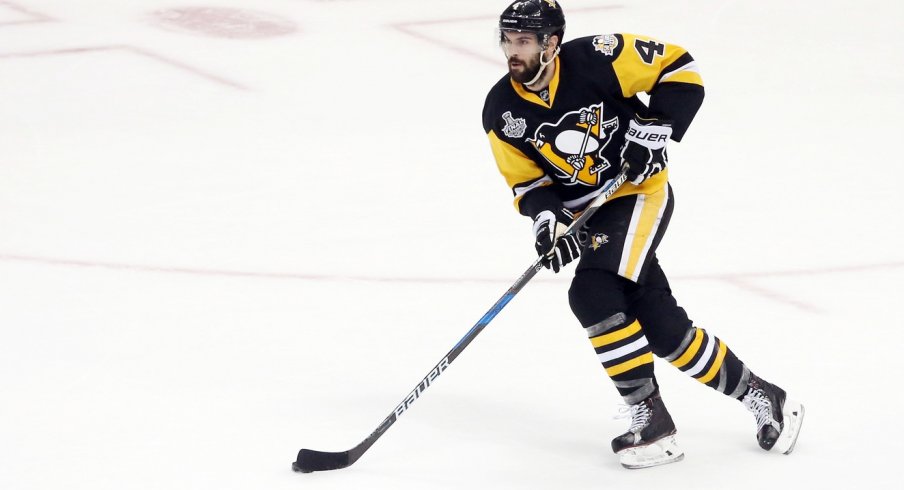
648	50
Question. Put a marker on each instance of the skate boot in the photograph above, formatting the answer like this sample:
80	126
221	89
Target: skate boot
778	418
650	441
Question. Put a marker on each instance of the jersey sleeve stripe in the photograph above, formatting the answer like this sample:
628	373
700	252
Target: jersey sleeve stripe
686	77
520	172
521	189
674	56
640	73
688	73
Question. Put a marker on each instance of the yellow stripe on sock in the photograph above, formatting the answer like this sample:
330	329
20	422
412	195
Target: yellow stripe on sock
631	364
716	365
691	350
611	338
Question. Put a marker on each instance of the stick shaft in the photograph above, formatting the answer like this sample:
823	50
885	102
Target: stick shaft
317	461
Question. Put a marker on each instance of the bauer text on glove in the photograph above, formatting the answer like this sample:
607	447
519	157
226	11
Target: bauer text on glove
644	151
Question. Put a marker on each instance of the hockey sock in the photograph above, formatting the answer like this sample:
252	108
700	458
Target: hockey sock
625	353
707	359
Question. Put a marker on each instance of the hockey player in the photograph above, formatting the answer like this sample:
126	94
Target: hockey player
562	123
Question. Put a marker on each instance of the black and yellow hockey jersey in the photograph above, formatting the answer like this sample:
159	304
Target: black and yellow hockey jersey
560	146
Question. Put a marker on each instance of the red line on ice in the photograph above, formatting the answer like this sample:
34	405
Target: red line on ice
733	278
739	280
230	273
133	50
406	28
36	18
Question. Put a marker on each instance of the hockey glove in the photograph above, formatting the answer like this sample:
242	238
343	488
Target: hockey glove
644	150
554	249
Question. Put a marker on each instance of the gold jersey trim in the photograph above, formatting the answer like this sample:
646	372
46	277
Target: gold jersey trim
518	169
532	97
637	75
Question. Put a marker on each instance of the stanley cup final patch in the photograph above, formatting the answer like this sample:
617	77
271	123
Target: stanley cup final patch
514	128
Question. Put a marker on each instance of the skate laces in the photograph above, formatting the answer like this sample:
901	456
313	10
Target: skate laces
640	415
757	402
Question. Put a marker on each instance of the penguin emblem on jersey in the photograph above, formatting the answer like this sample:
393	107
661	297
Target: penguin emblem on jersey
574	145
598	240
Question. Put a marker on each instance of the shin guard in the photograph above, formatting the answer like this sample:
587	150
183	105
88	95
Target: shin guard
707	359
625	353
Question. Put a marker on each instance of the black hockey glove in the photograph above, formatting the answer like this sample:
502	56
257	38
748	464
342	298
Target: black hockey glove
548	229
644	149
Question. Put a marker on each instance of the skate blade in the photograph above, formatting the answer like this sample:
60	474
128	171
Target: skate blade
793	414
656	453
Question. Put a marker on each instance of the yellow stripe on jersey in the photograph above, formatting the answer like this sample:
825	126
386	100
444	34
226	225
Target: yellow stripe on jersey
532	97
716	365
686	77
691	350
630	364
650	186
513	164
642	61
650	214
620	334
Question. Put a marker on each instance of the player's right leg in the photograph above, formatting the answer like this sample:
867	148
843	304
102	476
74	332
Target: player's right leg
598	299
624	235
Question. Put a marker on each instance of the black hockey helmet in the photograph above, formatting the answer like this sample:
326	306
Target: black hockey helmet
543	17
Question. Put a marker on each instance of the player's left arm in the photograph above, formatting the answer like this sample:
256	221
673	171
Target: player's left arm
665	71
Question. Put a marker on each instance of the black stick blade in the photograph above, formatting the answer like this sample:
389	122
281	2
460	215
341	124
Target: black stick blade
309	461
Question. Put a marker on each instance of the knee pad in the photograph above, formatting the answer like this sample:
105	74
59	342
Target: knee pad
596	295
664	322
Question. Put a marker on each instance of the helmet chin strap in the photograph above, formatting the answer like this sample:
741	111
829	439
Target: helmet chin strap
543	65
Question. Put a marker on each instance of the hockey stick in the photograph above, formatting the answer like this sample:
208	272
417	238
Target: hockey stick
577	171
310	460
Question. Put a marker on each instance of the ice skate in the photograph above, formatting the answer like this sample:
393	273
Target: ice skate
650	441
778	418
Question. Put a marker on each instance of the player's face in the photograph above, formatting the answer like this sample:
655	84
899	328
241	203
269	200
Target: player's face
522	50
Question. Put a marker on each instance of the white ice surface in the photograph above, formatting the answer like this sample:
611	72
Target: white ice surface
217	251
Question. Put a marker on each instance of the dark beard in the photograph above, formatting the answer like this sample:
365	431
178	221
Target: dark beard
530	68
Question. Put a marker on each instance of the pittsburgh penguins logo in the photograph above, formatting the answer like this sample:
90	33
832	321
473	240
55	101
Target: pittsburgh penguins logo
598	240
574	145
